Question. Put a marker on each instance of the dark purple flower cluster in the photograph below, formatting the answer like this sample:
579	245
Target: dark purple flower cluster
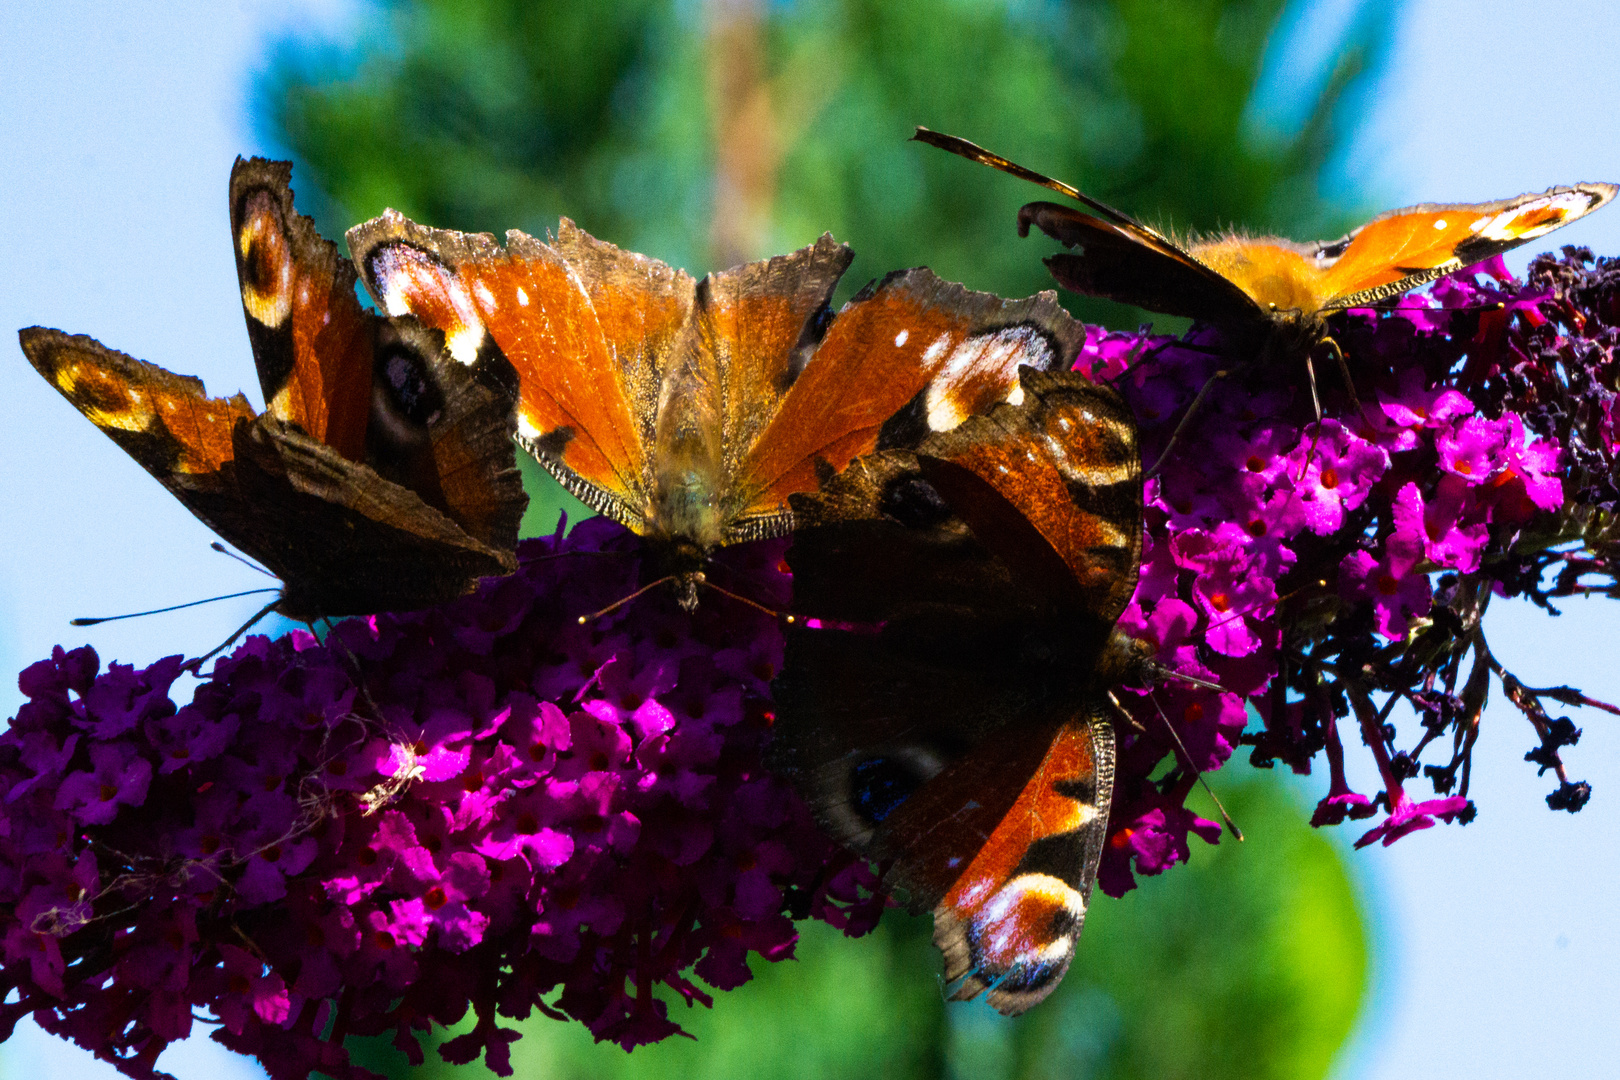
1310	563
487	805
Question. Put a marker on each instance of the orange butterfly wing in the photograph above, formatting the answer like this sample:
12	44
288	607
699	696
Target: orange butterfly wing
164	421
312	342
584	349
915	340
1402	249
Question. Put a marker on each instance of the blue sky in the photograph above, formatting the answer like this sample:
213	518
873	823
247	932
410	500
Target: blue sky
1497	955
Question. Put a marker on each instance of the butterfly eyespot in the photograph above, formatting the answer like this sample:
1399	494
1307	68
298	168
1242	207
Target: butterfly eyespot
900	338
878	785
1440	223
522	297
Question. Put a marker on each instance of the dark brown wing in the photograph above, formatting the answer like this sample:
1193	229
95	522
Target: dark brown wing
444	431
951	733
342	539
1113	263
1120	258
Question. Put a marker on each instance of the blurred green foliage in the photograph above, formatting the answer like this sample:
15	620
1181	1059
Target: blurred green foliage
1247	964
495	114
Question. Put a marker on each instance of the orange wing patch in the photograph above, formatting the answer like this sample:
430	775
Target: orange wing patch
312	343
165	421
1010	923
944	350
573	408
1402	249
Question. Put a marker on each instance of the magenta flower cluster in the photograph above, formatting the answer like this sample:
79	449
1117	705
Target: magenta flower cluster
1308	562
488	807
485	806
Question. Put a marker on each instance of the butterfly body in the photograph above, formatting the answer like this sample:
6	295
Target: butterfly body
380	475
691	410
952	721
1270	286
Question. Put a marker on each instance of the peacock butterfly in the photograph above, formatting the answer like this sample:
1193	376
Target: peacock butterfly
381	475
690	411
948	716
1281	288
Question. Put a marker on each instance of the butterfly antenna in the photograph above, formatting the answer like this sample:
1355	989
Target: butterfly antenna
1159	673
195	666
571	554
756	605
974	152
223	550
623	600
1171	728
161	610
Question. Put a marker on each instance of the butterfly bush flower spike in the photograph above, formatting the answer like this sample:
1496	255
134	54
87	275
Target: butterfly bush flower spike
1327	560
484	807
487	809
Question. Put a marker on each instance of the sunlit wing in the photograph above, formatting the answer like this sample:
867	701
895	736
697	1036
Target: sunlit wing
577	382
1402	249
312	342
914	356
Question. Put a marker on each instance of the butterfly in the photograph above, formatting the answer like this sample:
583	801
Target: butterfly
690	410
1280	287
949	717
381	475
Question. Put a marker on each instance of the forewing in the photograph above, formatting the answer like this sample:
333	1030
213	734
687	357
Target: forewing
1402	249
164	421
913	356
1133	266
576	409
1121	258
311	340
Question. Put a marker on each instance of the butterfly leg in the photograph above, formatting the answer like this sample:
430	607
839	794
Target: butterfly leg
1350	387
1187	416
195	666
